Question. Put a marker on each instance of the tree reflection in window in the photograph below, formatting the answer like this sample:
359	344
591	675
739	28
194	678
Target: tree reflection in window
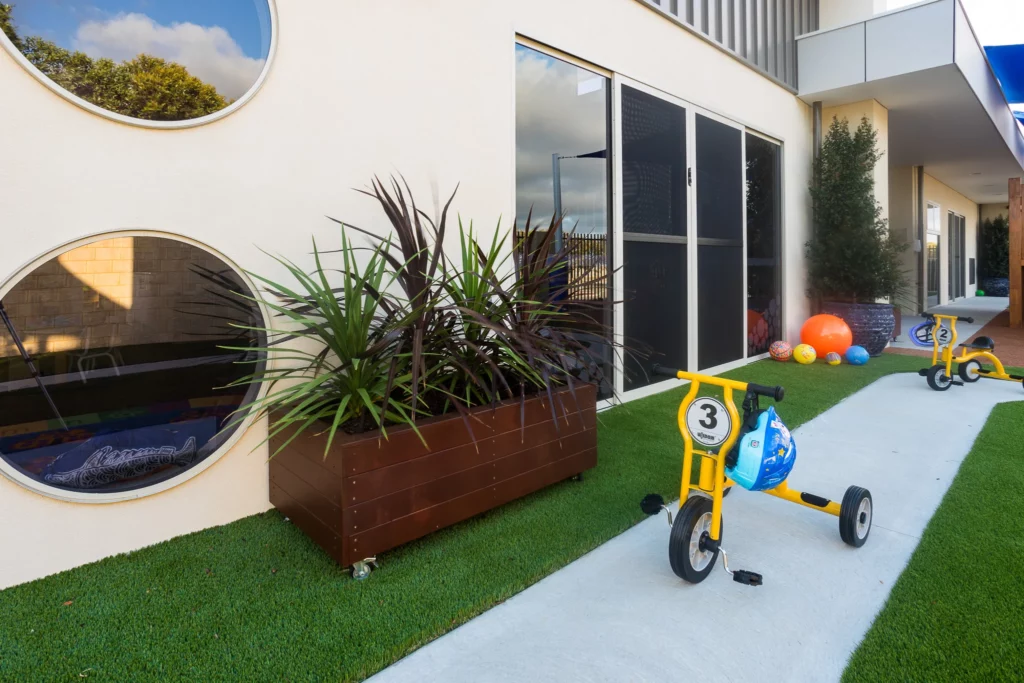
173	61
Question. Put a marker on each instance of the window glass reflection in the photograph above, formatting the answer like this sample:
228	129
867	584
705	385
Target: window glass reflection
562	168
113	367
158	60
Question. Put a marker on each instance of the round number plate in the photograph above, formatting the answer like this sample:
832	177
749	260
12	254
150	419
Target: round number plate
945	335
708	422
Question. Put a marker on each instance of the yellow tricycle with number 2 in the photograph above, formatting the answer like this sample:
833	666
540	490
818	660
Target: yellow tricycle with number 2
718	427
969	367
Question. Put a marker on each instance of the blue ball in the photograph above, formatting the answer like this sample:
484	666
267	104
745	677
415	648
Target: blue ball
857	355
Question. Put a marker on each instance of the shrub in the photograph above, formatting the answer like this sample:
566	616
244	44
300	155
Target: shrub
851	255
994	251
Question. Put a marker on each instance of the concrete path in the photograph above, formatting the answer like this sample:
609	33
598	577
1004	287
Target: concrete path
620	614
982	308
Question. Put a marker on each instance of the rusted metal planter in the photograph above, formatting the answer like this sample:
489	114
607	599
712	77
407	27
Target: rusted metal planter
370	495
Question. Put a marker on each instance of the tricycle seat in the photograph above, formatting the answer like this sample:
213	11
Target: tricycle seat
981	344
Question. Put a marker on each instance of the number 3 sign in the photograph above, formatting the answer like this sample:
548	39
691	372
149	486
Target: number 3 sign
708	422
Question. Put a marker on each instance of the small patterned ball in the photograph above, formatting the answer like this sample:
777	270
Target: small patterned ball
780	351
833	358
857	355
804	354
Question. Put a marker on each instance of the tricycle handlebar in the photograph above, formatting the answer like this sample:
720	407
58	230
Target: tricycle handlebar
774	393
662	370
958	318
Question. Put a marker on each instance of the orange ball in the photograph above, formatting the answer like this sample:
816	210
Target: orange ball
757	328
827	334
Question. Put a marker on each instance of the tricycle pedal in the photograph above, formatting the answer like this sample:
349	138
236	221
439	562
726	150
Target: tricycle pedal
923	372
747	578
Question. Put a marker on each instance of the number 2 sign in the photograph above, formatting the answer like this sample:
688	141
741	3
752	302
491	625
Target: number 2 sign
708	422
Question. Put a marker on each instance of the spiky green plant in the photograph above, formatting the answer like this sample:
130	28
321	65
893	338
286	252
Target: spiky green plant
357	376
416	332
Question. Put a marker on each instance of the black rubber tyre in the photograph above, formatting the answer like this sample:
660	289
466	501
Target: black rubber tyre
726	491
967	368
937	378
855	515
693	567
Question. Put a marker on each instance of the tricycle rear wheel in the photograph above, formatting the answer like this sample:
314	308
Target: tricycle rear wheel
855	516
969	371
688	554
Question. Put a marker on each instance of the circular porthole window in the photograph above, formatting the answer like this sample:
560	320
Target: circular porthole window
160	63
123	365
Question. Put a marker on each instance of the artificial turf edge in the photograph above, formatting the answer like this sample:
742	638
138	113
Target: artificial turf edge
956	613
257	599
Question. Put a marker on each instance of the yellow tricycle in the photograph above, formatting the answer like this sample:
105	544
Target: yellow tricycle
718	430
969	367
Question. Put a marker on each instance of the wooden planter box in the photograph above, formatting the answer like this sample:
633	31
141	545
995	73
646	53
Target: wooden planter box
370	495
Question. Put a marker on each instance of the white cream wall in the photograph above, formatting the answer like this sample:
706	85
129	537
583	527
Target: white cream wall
993	211
356	89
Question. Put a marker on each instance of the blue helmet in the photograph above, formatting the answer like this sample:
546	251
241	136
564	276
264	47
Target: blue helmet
765	456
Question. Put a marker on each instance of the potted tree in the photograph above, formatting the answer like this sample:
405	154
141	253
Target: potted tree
410	388
853	261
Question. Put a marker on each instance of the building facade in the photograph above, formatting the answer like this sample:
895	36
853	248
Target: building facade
678	136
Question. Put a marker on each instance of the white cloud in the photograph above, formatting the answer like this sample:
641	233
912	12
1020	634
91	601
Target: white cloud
208	52
560	109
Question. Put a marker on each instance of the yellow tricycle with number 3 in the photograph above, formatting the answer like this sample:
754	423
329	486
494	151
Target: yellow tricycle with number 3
718	428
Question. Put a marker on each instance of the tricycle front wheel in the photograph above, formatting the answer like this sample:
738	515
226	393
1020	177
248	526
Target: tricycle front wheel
938	379
688	553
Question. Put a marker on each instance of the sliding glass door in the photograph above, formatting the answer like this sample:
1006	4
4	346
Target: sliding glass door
720	258
699	203
654	234
957	245
764	243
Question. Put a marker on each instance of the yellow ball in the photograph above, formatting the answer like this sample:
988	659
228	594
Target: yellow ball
804	354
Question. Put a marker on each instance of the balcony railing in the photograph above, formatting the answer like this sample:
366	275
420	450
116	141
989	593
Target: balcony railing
761	33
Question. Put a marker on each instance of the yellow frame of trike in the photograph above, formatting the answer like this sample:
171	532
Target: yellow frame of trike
713	480
947	357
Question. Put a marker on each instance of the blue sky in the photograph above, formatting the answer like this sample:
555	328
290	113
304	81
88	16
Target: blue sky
58	20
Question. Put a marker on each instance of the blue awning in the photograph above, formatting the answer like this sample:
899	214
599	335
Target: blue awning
1008	63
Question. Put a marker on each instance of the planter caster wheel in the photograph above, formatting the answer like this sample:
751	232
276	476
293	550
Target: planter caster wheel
576	477
361	570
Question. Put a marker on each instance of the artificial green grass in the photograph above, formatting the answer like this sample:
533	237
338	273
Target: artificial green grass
256	600
957	611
